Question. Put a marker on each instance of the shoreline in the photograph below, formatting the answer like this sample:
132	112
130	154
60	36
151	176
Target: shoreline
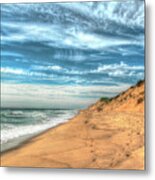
24	139
107	135
26	149
27	141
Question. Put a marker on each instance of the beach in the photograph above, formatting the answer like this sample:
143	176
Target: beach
72	85
106	135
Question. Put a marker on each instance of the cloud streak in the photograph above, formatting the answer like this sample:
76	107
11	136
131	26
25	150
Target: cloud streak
109	24
121	70
94	44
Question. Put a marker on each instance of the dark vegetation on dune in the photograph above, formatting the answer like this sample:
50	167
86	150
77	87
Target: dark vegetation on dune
107	99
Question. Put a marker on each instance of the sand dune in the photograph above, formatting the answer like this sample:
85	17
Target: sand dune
107	135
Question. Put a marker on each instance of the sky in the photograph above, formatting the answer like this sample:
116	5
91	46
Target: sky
68	55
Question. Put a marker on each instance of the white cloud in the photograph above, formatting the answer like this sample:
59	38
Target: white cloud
120	66
114	70
57	68
54	67
121	70
13	71
22	72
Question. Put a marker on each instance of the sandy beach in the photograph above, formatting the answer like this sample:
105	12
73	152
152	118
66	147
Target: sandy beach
107	135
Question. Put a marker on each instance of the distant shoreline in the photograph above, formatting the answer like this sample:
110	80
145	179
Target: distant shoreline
18	108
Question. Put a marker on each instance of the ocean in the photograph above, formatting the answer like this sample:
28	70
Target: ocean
18	125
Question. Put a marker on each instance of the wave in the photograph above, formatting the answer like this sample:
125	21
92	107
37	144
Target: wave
41	121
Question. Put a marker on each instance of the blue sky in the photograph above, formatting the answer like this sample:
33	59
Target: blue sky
70	54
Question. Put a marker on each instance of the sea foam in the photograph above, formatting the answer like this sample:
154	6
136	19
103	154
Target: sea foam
18	126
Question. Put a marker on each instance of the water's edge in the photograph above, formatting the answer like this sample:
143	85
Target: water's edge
21	141
17	141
